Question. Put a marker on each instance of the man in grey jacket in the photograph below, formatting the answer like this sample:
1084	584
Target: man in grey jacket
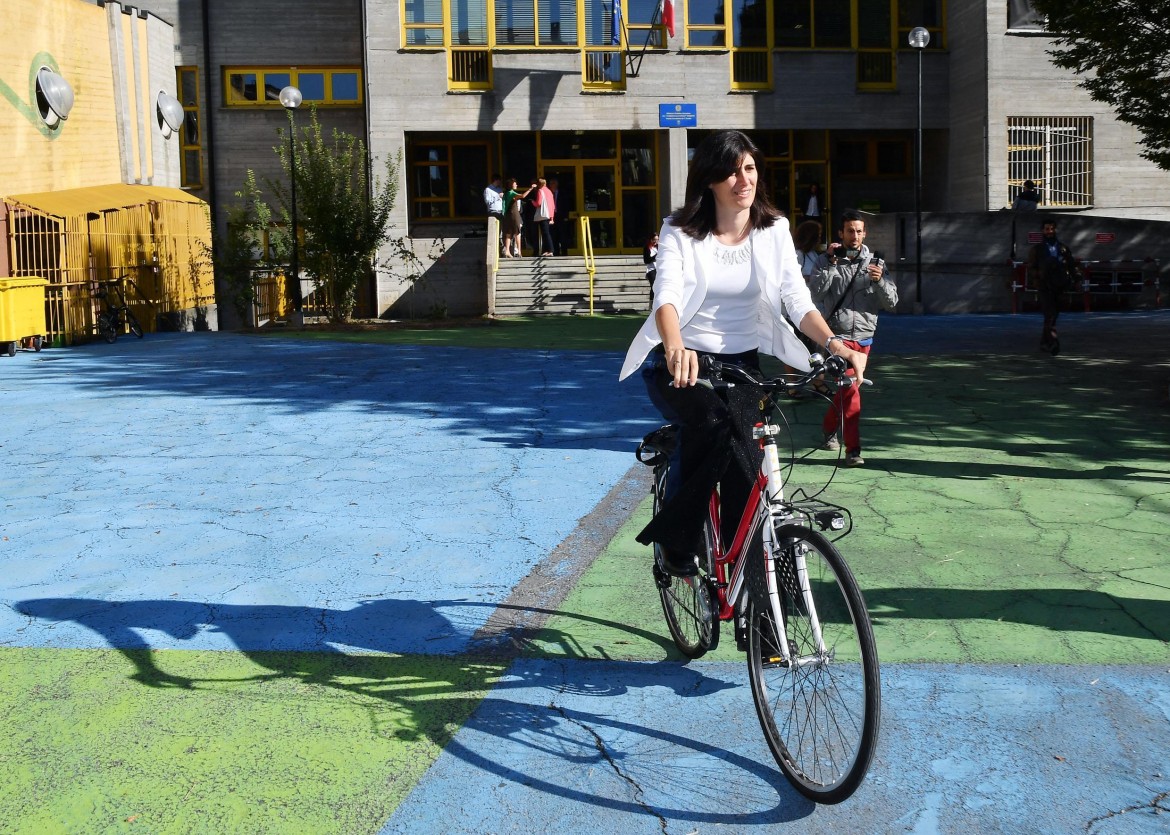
851	290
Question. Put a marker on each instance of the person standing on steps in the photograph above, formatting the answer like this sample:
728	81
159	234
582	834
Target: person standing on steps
853	287
493	201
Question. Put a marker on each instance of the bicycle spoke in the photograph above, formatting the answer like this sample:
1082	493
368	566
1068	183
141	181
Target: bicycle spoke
819	711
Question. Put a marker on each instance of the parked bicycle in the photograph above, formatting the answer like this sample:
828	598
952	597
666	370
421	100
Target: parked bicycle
797	609
116	317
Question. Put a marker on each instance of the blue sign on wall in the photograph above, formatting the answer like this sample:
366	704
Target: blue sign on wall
679	115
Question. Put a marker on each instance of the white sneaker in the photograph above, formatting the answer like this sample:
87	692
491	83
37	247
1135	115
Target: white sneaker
831	443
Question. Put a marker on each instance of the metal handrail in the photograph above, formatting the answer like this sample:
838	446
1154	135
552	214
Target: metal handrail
587	252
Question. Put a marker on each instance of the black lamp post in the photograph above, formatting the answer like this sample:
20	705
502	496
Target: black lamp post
290	98
919	38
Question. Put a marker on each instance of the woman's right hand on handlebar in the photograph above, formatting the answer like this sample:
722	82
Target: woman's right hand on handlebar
683	365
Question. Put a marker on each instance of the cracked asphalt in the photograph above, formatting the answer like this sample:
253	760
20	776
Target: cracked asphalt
269	585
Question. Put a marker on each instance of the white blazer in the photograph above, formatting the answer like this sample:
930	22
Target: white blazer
684	265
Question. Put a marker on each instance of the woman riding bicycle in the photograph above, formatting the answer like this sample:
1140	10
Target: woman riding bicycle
727	271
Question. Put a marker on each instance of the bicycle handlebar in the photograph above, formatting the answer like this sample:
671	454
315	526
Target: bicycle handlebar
834	368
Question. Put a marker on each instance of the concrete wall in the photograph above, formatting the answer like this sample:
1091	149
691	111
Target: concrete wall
966	257
538	90
1023	82
81	151
967	134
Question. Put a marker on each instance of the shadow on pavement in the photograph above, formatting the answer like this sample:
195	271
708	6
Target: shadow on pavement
510	397
432	689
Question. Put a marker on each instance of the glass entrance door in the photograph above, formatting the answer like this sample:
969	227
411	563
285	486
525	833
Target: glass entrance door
587	189
599	203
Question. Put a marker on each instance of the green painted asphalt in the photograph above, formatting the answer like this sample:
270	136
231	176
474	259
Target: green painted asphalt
1008	512
1013	509
222	741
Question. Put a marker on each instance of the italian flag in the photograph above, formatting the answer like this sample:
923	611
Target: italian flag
668	16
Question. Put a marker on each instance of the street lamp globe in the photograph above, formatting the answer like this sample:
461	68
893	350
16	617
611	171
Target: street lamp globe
290	97
919	37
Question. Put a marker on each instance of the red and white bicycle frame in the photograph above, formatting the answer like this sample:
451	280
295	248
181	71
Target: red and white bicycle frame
763	512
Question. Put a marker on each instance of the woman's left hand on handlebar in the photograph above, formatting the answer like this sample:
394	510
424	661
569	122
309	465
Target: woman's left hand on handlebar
856	359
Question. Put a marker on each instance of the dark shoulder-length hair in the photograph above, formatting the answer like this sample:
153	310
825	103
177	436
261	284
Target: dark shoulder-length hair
807	236
717	158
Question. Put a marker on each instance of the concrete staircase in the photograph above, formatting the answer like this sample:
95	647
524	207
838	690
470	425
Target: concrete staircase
561	285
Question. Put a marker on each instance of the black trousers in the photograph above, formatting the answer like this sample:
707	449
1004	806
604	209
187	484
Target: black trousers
715	447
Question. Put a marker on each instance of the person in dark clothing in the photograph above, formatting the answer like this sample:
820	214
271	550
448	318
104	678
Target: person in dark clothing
1028	199
649	256
1051	270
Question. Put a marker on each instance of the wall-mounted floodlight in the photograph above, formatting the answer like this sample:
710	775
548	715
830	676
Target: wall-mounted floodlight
54	97
170	113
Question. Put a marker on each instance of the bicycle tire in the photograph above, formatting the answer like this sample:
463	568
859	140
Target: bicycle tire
132	323
820	713
690	604
106	328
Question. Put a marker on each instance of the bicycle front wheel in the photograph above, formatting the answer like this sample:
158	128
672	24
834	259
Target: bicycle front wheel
106	328
819	702
690	604
132	323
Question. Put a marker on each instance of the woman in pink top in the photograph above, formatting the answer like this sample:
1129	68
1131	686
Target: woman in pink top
546	210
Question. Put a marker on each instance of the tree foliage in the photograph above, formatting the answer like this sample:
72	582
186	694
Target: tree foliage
343	212
1121	50
240	251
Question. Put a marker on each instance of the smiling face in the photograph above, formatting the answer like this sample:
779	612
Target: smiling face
738	190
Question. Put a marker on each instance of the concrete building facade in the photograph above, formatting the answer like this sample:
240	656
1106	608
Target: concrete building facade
462	89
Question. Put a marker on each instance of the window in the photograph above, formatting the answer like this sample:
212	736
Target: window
1022	17
706	26
261	86
190	137
447	179
887	157
925	13
1054	152
424	21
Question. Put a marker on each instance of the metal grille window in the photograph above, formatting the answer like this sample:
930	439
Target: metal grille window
1054	152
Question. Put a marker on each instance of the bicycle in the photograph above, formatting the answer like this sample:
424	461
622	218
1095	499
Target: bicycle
115	318
797	609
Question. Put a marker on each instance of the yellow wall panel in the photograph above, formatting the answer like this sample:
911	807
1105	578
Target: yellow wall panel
83	150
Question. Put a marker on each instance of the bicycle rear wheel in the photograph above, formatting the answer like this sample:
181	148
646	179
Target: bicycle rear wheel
106	328
819	710
690	604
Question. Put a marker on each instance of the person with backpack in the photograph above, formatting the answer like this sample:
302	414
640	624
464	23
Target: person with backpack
1052	271
852	288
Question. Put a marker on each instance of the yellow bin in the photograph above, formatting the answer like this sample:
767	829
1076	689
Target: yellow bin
22	313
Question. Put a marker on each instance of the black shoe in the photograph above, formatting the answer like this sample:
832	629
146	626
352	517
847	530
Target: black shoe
680	563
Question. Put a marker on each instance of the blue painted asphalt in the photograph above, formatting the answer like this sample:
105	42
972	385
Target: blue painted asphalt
237	493
589	747
232	492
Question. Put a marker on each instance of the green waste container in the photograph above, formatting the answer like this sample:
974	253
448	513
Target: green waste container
22	314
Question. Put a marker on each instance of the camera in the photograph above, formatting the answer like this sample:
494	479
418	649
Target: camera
838	250
876	258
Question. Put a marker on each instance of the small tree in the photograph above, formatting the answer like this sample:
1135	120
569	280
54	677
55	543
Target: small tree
342	211
240	251
1122	53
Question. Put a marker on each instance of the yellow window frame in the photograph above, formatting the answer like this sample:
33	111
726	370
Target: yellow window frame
187	179
234	98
